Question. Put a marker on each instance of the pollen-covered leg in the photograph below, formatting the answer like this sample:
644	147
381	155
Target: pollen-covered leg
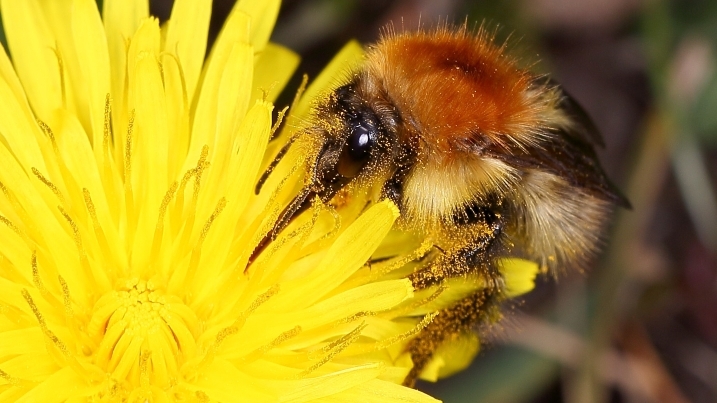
450	324
474	257
471	257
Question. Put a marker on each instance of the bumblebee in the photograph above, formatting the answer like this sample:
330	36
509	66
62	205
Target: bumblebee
484	157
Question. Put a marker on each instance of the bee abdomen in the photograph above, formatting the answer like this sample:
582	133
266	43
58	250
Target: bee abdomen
558	224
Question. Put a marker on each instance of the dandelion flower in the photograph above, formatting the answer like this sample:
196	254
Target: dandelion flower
128	217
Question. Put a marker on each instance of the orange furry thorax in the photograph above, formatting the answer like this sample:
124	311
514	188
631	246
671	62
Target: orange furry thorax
457	90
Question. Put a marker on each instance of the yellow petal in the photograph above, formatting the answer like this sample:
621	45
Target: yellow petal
19	133
253	134
223	382
33	48
454	290
177	113
79	163
16	254
376	391
262	14
35	199
327	385
452	357
370	298
8	75
93	57
122	18
272	71
55	388
187	38
349	251
338	68
236	182
233	101
236	30
31	366
519	275
150	178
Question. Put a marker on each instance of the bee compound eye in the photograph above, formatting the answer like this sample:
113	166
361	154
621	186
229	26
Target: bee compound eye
357	150
360	142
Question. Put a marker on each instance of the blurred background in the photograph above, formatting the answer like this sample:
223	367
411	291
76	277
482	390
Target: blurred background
641	325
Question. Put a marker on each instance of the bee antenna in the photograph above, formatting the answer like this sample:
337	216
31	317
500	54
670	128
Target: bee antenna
269	169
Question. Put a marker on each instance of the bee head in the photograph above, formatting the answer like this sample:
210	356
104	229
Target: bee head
356	143
353	147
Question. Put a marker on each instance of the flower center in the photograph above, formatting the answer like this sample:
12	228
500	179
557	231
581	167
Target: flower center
143	333
141	311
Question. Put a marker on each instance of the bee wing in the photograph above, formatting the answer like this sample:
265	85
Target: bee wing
583	130
568	152
577	162
574	161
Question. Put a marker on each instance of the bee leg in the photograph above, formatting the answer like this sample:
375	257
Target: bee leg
392	190
448	325
473	258
466	314
480	259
